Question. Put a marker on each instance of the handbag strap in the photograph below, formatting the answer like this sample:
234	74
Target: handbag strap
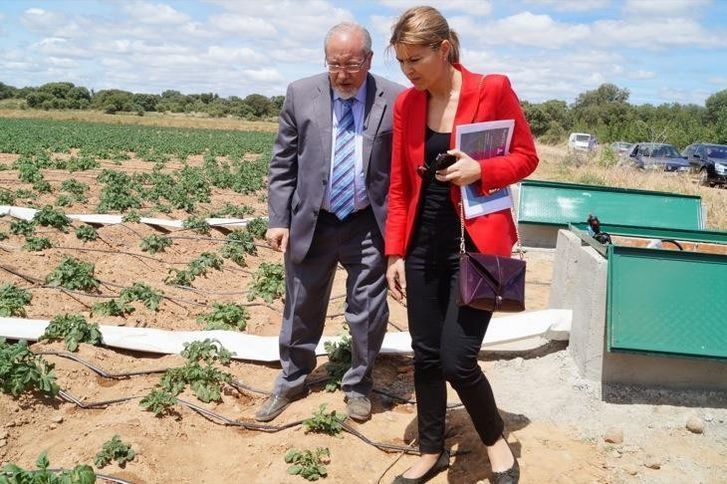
461	207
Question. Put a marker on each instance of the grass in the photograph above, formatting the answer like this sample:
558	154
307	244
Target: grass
168	120
557	165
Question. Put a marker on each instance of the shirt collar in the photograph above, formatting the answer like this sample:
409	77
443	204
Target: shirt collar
360	95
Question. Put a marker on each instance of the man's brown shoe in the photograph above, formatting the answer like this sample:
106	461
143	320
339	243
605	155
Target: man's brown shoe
358	408
274	406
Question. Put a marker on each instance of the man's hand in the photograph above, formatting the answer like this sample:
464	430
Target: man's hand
277	238
396	277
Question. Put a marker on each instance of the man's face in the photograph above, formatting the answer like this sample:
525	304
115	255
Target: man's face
347	63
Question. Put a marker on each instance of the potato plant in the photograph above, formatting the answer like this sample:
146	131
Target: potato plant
72	274
323	422
21	371
268	282
72	329
13	300
225	316
114	450
308	464
13	474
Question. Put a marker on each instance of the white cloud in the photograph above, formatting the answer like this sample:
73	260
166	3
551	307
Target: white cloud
641	75
263	75
720	81
664	8
39	20
525	29
477	8
571	5
58	47
243	26
651	34
236	55
155	13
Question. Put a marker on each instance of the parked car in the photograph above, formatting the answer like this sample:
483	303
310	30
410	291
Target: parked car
709	160
581	142
622	148
658	156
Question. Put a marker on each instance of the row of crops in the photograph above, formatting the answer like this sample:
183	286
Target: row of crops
31	136
233	163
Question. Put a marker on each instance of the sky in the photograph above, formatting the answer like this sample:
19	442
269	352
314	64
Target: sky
662	51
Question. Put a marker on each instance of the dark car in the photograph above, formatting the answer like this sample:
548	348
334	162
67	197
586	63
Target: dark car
658	156
709	160
622	148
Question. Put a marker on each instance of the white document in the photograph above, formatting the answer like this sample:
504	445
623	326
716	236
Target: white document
480	141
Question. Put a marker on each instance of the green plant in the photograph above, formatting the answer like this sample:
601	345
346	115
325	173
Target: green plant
114	449
113	307
257	227
76	188
86	233
339	360
225	316
13	474
117	193
22	371
13	300
131	217
73	329
36	244
155	243
73	274
205	380
141	292
42	186
198	225
198	267
22	227
207	350
308	464
64	201
3	236
230	210
159	402
50	217
239	243
324	423
82	163
268	282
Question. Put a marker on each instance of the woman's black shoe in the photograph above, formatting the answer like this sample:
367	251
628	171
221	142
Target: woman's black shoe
510	476
441	464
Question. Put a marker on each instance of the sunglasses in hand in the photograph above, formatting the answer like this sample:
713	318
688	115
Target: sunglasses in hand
442	161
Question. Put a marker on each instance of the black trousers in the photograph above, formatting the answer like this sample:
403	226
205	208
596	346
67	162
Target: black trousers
446	338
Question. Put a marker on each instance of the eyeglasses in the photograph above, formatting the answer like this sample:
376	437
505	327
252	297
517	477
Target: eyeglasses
352	68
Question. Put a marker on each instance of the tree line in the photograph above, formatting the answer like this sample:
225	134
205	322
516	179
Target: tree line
66	95
604	111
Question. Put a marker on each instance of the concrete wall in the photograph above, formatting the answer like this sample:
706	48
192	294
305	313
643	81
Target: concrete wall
579	283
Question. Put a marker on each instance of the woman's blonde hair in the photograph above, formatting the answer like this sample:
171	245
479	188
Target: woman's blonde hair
425	26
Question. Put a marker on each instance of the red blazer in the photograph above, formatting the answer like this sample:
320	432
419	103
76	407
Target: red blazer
492	233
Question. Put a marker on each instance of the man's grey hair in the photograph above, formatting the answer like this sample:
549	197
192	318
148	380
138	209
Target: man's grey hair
345	27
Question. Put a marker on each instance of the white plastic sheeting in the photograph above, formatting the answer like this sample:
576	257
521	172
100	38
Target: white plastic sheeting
25	213
550	324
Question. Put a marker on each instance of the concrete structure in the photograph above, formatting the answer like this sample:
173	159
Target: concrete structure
580	283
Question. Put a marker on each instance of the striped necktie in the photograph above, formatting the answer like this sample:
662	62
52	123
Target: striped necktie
342	187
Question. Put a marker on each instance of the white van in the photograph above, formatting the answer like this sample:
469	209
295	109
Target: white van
581	142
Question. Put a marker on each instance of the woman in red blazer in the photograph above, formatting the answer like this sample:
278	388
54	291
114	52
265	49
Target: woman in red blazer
423	230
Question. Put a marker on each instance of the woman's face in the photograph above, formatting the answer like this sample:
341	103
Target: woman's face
422	64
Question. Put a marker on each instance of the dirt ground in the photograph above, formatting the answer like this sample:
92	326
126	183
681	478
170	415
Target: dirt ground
556	421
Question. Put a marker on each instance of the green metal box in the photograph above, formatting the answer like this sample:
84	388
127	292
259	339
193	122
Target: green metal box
669	302
558	204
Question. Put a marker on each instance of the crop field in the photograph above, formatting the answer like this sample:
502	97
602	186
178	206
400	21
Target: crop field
69	401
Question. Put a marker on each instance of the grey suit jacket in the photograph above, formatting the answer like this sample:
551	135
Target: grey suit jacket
300	165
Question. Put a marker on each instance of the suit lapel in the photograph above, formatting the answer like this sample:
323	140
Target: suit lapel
323	117
417	127
469	97
373	113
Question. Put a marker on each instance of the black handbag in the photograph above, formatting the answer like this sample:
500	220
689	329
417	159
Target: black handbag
490	282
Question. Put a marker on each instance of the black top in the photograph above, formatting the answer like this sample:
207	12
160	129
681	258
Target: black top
436	206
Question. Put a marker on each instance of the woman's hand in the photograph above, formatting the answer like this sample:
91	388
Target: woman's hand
396	277
463	172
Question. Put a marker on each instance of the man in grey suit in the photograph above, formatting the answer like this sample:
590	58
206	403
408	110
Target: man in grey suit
327	188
